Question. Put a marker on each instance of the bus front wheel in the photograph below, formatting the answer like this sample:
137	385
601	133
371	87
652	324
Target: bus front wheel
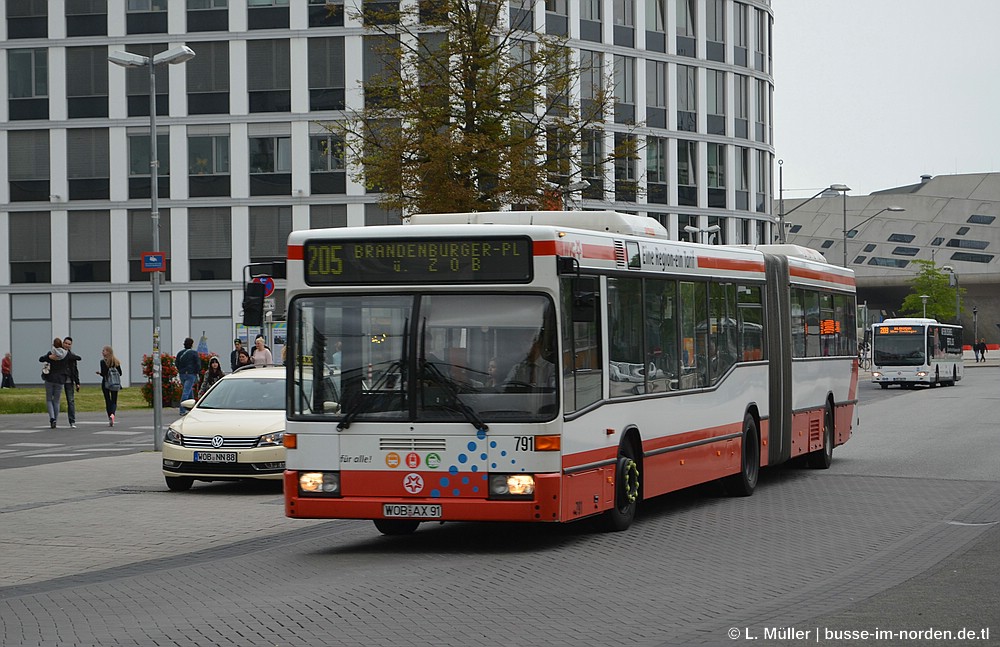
627	490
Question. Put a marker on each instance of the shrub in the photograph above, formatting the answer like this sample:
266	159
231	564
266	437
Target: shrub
168	375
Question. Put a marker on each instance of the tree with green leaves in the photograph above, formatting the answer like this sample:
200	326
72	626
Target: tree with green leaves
466	109
935	284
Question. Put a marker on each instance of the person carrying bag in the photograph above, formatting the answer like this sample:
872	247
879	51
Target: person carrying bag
111	382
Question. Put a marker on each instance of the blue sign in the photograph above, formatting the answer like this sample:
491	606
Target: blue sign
154	262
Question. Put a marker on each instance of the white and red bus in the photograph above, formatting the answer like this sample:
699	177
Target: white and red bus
912	350
552	366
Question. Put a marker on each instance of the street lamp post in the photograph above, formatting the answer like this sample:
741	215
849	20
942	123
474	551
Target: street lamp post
843	188
781	204
924	297
854	230
171	56
953	280
975	322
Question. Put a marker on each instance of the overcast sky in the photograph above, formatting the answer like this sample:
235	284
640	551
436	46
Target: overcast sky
875	93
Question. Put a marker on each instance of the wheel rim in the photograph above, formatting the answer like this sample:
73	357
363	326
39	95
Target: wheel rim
628	477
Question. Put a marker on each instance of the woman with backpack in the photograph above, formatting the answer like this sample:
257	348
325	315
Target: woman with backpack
111	382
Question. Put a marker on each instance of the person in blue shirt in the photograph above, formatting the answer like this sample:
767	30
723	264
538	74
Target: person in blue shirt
188	367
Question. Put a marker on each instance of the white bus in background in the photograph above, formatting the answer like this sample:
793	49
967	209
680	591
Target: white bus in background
910	351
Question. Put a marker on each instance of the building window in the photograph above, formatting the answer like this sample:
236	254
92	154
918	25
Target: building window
763	181
906	251
590	20
146	17
28	165
657	179
87	81
28	83
625	168
972	258
30	247
376	215
325	216
717	175
207	15
686	33
139	171
27	19
762	111
794	229
869	248
656	94
827	244
326	73
888	262
901	238
86	18
687	173
624	23
327	13
965	243
269	229
741	104
624	89
741	33
88	168
742	178
937	241
210	244
267	14
208	78
962	231
271	165
208	164
269	75
194	5
715	25
326	163
591	84
716	102
140	239
656	25
90	246
592	163
978	219
762	42
687	98
380	69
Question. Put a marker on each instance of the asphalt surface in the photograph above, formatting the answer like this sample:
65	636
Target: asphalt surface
95	551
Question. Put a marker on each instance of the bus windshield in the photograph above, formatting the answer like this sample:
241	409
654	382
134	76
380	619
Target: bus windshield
899	350
421	357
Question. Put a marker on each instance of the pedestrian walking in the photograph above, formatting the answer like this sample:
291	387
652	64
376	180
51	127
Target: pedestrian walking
109	384
54	374
72	386
261	353
982	349
8	372
188	367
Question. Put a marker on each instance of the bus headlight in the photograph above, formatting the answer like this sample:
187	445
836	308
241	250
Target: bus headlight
512	486
876	374
319	483
922	373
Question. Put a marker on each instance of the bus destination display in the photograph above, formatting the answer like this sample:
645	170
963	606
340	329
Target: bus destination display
439	260
899	330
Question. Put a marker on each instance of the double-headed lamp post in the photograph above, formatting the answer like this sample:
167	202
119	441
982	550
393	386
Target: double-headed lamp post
703	233
172	56
843	188
782	238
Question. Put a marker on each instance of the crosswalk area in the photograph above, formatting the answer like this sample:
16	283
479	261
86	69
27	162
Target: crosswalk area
29	441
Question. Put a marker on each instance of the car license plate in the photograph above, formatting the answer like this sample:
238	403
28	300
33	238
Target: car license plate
413	511
215	457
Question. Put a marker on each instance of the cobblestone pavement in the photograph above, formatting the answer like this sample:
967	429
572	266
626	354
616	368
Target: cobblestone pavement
98	552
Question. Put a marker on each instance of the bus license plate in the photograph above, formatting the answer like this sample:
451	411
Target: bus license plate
215	457
413	511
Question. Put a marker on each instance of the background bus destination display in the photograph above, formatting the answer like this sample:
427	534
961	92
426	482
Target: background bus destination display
439	260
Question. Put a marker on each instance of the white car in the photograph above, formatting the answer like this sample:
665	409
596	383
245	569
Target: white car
233	432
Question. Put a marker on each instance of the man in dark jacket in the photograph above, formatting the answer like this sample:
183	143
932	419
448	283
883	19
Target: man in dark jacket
235	355
72	380
188	367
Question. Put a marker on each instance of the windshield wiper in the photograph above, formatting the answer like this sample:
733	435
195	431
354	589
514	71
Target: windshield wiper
439	378
361	404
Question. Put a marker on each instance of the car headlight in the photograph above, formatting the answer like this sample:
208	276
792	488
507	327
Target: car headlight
271	439
512	486
173	437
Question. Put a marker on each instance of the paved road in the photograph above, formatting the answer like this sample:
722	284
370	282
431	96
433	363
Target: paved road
901	534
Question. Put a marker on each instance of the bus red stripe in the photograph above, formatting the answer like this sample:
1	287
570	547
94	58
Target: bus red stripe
821	276
715	263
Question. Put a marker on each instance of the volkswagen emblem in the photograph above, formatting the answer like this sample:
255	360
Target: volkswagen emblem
217	441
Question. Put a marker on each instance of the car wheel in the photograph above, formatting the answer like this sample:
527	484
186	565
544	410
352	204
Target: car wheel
179	483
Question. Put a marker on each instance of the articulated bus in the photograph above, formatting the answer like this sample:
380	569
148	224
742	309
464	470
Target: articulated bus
552	366
911	351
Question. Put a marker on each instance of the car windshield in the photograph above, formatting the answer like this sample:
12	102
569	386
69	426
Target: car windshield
251	394
444	357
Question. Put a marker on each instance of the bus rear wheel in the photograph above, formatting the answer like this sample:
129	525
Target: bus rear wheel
823	457
744	483
396	526
627	490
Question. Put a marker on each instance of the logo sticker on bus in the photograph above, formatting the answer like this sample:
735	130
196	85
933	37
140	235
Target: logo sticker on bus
413	460
433	460
392	460
413	483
